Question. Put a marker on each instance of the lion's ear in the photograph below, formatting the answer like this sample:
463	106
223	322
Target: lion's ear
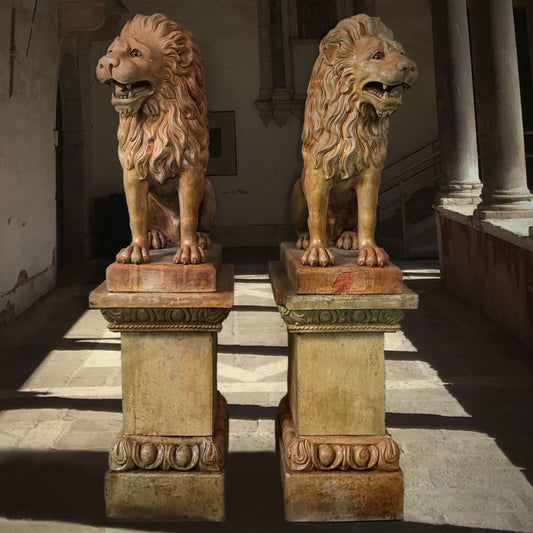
185	56
331	50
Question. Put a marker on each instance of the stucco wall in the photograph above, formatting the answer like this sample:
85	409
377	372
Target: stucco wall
27	155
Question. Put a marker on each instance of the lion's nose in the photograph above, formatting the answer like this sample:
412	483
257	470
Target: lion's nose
407	65
108	62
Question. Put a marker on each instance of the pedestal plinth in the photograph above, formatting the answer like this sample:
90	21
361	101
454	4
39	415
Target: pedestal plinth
338	462
168	461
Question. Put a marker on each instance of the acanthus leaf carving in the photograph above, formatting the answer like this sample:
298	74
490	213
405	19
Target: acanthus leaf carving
308	453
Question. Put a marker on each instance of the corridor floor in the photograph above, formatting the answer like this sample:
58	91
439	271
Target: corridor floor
459	404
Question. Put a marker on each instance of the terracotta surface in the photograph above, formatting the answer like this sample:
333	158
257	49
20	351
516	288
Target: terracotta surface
344	277
285	295
338	496
156	73
165	496
102	298
163	275
356	84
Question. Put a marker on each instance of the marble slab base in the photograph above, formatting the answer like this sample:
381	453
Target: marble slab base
345	277
163	275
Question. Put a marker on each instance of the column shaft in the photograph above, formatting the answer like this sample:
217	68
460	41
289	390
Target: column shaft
455	104
499	113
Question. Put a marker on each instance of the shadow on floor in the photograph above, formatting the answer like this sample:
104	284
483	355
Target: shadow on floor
68	486
26	341
488	371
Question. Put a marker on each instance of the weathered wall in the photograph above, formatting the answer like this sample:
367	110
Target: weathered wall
489	273
253	206
27	154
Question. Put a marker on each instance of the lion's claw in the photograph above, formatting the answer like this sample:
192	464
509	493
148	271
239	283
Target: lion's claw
318	256
189	254
347	240
134	254
372	256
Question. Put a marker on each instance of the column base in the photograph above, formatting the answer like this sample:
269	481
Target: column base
337	496
160	478
165	496
338	479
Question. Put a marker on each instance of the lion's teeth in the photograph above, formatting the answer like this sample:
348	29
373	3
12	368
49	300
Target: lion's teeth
384	86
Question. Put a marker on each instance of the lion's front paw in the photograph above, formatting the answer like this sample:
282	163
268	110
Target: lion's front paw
347	240
204	241
156	239
372	256
189	254
134	254
303	242
318	256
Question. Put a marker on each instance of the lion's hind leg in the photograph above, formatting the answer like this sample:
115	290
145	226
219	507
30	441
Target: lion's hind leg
156	239
302	242
299	214
347	240
206	216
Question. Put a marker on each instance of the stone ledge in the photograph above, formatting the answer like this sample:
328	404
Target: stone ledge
516	231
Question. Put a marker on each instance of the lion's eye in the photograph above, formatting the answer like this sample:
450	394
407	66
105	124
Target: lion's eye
135	53
378	55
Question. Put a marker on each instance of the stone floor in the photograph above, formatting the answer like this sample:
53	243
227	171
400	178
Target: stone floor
459	403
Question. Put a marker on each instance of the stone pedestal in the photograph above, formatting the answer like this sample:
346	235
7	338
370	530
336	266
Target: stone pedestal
168	461
337	461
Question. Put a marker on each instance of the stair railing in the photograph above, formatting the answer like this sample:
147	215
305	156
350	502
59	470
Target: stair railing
407	174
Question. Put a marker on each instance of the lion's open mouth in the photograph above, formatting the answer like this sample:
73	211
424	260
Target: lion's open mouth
130	91
384	91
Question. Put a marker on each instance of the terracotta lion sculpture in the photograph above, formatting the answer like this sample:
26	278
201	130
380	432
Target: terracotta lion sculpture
156	73
356	84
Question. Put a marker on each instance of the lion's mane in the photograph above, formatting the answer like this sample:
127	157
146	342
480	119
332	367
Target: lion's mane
170	130
341	134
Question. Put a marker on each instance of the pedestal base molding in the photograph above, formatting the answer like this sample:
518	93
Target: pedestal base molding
338	479
154	452
328	453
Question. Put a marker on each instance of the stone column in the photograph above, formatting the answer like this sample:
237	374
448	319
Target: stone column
338	463
499	114
168	460
455	104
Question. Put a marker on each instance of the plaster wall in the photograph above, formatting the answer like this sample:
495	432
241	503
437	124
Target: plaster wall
27	155
415	123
